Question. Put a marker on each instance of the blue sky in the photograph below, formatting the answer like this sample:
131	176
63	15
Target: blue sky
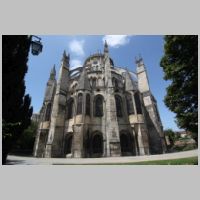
123	50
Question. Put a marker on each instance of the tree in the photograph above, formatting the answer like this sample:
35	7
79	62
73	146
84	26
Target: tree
25	143
16	110
171	135
180	65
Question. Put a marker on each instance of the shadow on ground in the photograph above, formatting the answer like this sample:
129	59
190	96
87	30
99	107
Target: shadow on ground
15	162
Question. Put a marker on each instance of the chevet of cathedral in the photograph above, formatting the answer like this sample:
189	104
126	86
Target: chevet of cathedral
98	110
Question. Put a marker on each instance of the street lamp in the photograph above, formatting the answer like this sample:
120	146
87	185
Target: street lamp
36	45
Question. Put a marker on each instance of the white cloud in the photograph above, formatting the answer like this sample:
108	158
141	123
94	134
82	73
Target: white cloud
116	40
75	63
76	46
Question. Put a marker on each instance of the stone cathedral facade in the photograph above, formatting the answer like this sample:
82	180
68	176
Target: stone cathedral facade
99	110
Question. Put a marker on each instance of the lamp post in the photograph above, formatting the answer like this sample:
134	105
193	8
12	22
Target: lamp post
36	45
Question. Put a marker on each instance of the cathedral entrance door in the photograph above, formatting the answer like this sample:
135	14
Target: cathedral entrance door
68	144
96	146
126	145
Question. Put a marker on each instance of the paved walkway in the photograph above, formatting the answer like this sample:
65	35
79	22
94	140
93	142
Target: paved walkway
19	160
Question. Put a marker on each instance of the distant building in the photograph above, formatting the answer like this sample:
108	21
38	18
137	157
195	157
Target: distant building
184	134
35	117
99	110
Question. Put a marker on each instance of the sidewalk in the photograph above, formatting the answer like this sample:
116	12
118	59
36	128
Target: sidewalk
19	160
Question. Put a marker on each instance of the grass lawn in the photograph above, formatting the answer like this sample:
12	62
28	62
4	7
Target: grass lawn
180	161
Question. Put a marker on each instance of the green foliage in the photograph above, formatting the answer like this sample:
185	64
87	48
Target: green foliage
26	141
179	161
8	128
185	147
171	135
16	110
195	137
180	65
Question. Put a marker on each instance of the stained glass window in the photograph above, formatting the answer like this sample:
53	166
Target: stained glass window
118	102
98	111
138	103
79	104
87	104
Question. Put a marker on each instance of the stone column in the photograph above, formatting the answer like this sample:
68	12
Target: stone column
140	142
135	142
142	137
112	125
78	141
36	144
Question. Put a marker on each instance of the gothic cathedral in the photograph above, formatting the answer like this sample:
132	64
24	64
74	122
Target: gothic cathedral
98	110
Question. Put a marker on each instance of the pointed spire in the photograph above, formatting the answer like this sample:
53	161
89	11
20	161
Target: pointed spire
64	54
106	47
65	59
139	61
54	69
84	83
140	66
53	73
129	83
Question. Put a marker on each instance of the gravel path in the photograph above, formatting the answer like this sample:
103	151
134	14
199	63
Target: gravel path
19	160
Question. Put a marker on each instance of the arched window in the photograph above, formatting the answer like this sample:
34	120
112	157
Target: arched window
118	102
87	109
113	81
48	112
70	109
79	104
116	83
138	103
98	106
129	103
94	82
